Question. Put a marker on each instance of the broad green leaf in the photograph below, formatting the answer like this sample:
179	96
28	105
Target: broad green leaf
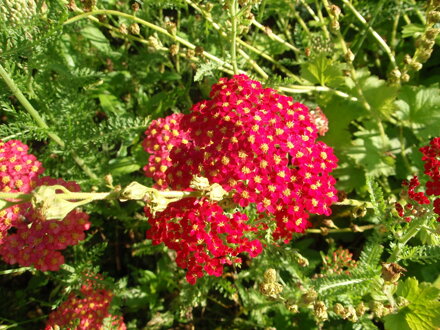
379	95
97	39
419	109
323	71
369	151
396	321
340	113
423	311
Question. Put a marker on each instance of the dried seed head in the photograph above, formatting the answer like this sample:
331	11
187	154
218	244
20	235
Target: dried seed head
391	272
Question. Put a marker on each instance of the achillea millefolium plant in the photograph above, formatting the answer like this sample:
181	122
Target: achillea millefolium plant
225	164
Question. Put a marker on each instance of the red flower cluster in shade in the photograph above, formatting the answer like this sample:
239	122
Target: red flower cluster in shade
26	237
258	145
431	157
87	312
204	237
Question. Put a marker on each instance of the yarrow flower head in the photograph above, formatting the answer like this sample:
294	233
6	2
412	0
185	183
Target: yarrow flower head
260	146
34	241
91	311
18	173
416	200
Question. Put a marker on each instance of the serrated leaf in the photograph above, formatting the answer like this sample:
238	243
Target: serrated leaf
423	311
379	95
340	113
368	151
419	109
323	71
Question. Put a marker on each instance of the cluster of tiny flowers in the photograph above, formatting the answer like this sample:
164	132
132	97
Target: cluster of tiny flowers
340	261
27	238
204	238
18	172
163	134
260	146
414	208
89	311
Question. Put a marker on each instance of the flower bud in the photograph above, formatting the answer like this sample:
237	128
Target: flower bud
378	309
171	28
134	29
153	43
405	77
349	56
135	6
174	49
433	16
320	310
123	29
309	297
216	192
199	183
339	310
270	275
351	314
361	309
432	33
335	10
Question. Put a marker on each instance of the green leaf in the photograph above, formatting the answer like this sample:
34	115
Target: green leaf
419	109
423	311
122	166
323	71
340	113
379	95
413	30
111	104
97	39
368	151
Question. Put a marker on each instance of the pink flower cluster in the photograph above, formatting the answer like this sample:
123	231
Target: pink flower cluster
204	238
26	237
260	146
431	157
87	312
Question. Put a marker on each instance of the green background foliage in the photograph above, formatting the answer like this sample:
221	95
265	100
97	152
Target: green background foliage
98	85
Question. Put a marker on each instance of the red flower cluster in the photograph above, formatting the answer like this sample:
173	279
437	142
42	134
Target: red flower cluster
18	172
34	241
163	134
91	311
204	238
258	145
431	157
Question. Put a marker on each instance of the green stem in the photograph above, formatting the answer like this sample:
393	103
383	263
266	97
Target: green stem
340	230
233	15
415	227
40	121
149	25
354	202
375	35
